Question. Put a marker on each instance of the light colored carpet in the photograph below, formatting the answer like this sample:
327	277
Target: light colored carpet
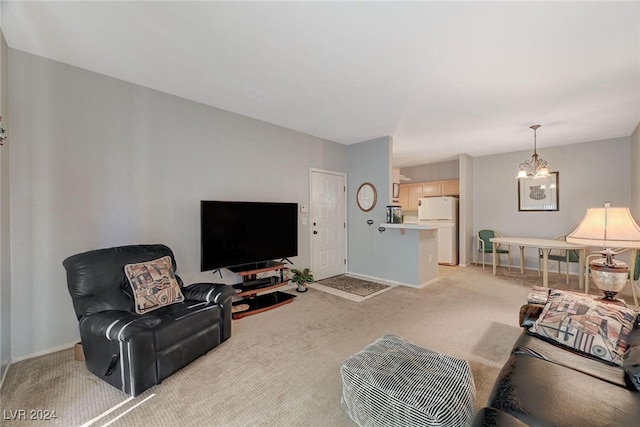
282	367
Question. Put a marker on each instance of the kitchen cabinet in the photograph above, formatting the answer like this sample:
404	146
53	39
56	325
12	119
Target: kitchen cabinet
451	187
431	189
410	193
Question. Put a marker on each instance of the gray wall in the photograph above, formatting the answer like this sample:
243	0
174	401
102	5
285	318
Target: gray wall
635	174
368	161
389	255
465	215
433	171
5	258
589	174
99	162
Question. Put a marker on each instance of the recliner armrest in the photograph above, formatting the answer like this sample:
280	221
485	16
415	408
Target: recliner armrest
631	365
529	313
208	292
117	325
631	360
216	293
119	348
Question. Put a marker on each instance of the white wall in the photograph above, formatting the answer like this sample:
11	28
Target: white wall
98	162
589	174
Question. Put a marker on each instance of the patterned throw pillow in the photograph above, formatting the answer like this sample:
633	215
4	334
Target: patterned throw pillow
586	324
154	284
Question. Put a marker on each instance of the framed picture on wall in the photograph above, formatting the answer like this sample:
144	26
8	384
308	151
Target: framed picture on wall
396	190
539	194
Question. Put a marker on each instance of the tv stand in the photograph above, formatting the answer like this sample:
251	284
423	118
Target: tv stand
255	292
254	266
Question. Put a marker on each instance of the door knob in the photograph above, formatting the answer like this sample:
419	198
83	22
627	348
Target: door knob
315	232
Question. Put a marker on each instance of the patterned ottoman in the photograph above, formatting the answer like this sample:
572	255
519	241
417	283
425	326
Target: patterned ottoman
395	383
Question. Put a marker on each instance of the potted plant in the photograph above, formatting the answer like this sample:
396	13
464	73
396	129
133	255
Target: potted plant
301	278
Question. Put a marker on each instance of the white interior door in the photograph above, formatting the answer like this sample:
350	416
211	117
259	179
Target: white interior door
328	224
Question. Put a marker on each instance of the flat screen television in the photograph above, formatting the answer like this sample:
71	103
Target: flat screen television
246	235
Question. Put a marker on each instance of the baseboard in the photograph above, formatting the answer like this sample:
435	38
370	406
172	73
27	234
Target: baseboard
41	353
427	283
530	268
516	267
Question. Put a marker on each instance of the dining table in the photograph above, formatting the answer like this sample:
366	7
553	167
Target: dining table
545	245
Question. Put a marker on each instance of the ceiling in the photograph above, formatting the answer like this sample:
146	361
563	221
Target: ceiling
442	78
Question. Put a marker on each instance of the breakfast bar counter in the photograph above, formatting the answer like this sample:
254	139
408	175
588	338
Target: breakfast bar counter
420	257
416	226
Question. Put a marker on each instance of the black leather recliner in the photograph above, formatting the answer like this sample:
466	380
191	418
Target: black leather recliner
134	351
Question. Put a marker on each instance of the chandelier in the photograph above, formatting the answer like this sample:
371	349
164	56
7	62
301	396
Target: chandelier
536	167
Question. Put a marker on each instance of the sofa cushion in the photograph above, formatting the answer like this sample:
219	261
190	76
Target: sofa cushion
586	324
543	393
154	284
548	350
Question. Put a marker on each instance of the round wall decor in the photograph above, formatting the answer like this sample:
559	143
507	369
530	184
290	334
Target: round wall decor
367	196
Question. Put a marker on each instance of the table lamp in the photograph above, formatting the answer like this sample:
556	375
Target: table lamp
608	228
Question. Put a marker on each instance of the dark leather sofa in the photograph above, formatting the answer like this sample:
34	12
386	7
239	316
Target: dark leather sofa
545	384
134	351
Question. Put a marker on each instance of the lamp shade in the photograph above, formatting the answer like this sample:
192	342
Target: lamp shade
607	227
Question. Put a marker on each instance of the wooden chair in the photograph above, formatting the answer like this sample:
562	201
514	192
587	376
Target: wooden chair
560	255
485	246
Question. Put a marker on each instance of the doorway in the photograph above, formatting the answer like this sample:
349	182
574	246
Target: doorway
328	223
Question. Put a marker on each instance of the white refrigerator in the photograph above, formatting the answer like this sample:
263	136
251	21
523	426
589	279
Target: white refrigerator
442	211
